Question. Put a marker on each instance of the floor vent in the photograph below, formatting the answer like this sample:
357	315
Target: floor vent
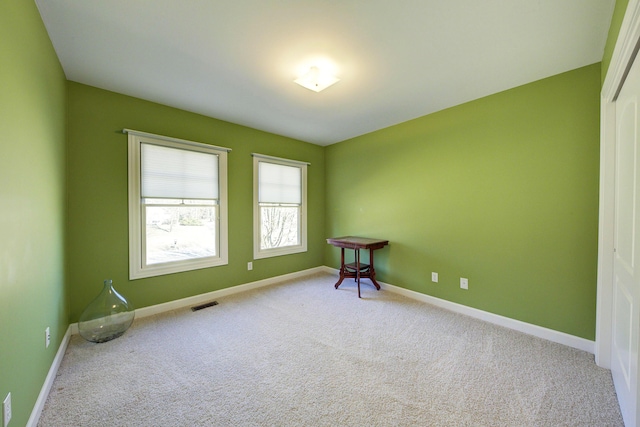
206	305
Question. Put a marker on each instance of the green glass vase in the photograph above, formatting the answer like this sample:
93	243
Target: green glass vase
107	317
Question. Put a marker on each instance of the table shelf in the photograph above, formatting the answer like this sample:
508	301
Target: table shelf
354	266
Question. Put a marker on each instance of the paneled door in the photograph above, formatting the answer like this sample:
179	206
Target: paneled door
626	268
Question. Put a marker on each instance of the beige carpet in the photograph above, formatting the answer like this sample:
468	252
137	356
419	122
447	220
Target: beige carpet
304	354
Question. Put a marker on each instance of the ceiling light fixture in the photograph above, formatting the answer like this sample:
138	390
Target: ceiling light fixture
316	80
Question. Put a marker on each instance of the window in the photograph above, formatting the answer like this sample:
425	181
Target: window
279	206
177	205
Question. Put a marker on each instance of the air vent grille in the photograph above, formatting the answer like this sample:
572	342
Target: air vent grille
205	305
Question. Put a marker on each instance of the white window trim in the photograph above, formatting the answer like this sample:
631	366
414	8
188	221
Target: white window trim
137	269
302	247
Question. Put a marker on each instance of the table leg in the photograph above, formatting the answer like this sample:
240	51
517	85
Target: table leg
372	272
343	269
358	270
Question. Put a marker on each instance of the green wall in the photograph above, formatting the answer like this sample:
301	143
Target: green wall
502	190
614	30
97	244
32	197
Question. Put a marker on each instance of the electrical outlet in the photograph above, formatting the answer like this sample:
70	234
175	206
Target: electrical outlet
464	283
6	410
47	337
249	265
434	277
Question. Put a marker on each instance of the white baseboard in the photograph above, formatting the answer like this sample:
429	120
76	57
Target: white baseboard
203	298
48	382
517	325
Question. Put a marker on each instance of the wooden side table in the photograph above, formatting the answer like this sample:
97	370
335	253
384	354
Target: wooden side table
357	270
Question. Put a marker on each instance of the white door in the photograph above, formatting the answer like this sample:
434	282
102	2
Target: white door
626	268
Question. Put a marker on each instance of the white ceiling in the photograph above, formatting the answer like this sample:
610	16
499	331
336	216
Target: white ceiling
236	60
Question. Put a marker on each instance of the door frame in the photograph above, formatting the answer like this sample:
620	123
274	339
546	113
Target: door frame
624	53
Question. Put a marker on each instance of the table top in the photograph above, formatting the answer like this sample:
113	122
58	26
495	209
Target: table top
353	242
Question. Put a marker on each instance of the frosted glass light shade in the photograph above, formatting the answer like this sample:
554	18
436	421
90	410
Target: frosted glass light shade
316	80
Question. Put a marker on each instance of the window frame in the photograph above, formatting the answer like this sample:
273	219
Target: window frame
259	253
138	268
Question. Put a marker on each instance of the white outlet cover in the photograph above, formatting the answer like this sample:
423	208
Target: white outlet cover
6	410
464	283
47	337
434	277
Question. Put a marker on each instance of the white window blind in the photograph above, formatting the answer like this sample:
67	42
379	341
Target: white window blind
178	173
279	183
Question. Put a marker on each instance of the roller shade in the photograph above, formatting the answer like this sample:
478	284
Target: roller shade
176	173
279	183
